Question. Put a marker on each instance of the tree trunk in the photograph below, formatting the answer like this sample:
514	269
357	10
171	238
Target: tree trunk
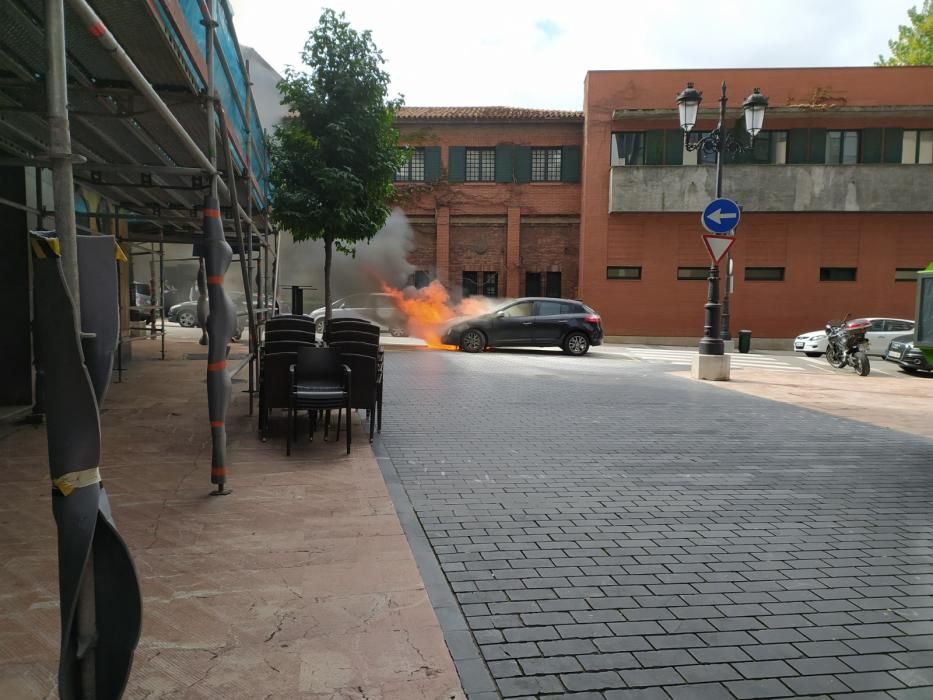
328	257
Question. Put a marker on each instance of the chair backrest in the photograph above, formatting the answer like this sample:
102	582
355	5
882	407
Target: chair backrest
350	324
362	379
290	323
279	346
335	336
275	378
356	347
318	363
289	334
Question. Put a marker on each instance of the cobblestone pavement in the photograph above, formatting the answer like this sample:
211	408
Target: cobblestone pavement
611	531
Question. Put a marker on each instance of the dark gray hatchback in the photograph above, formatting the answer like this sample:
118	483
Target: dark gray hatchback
530	321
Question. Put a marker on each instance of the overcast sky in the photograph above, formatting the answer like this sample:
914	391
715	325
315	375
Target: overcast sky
535	53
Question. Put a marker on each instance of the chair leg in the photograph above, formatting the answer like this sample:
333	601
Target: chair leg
349	427
372	422
310	425
326	424
339	414
288	431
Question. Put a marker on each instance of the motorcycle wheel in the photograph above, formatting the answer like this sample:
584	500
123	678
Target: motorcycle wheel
834	358
862	365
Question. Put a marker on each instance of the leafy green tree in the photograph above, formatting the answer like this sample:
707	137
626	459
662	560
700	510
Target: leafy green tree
914	43
334	157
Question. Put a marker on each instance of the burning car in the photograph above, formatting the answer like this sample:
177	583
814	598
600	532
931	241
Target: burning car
531	321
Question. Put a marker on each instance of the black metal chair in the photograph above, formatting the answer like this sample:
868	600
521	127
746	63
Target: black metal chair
273	386
290	323
277	346
272	336
350	324
318	381
367	349
364	385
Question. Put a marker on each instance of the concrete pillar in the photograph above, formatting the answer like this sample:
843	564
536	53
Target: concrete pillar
442	219
513	252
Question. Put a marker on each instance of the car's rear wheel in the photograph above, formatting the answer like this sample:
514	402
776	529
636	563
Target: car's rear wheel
813	354
319	328
397	332
576	344
187	319
472	340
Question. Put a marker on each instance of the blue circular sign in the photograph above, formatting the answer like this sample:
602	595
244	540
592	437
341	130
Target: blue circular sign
721	216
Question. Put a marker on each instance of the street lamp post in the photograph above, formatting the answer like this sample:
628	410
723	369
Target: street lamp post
718	141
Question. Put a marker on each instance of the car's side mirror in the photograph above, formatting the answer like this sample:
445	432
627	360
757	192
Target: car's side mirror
500	314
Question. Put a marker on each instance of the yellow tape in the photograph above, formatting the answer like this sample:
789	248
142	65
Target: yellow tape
67	483
121	256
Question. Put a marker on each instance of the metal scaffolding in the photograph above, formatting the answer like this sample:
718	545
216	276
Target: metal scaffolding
148	104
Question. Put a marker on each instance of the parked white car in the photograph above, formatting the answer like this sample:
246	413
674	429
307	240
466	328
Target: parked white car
880	335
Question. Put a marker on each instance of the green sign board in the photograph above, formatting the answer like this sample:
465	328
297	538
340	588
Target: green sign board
923	331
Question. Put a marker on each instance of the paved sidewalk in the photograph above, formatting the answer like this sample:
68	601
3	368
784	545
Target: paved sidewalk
298	585
612	531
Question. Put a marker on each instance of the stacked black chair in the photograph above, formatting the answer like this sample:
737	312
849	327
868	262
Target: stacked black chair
359	346
290	323
303	336
274	389
319	381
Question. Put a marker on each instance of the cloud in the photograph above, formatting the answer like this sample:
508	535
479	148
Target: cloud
549	28
452	54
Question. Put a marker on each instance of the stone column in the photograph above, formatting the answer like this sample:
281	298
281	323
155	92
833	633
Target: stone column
513	252
442	222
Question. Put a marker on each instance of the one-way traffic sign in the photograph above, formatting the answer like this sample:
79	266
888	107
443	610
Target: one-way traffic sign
717	245
720	216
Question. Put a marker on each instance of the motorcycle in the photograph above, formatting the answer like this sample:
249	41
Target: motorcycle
846	344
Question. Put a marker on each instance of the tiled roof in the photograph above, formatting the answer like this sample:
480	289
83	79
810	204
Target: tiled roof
488	113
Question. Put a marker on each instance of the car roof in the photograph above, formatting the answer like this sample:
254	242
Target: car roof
569	301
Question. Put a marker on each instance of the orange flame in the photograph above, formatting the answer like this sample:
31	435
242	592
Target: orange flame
429	309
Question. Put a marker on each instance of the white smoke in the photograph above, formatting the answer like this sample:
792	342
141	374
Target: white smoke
384	258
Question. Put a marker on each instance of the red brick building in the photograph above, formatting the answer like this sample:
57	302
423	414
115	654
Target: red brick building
493	195
837	198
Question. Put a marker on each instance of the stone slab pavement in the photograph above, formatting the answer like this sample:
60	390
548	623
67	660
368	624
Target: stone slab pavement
298	585
595	528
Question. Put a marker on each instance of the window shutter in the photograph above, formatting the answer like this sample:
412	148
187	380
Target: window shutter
871	145
817	152
456	163
673	147
797	148
654	147
432	163
504	163
893	145
570	164
523	164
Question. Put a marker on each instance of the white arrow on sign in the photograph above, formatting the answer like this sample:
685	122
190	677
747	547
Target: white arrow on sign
717	216
717	245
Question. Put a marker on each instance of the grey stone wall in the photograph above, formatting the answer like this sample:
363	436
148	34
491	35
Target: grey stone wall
870	188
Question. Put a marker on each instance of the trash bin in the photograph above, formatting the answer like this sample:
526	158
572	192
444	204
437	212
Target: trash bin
745	341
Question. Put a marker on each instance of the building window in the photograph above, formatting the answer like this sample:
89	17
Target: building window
480	164
471	283
692	273
918	147
545	164
841	147
623	273
770	147
413	170
837	274
419	279
764	274
906	274
532	284
490	284
628	148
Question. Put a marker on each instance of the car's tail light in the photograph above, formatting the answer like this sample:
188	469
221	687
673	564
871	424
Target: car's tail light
593	318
